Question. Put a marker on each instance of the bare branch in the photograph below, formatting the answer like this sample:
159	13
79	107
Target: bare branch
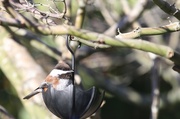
106	14
80	14
128	43
169	9
106	40
127	11
172	27
28	7
129	18
133	15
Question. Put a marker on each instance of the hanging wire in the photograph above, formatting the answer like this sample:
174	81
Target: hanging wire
95	96
72	53
73	68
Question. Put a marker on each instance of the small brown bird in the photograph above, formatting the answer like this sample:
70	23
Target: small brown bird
59	78
63	98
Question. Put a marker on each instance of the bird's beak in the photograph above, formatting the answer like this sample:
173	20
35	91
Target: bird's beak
37	90
32	94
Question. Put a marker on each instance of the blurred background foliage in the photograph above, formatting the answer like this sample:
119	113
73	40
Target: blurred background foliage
124	74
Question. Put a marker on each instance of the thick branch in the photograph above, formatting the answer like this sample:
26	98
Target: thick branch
80	14
128	43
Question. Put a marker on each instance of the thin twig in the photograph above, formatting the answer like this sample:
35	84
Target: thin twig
127	11
80	15
155	89
106	13
32	9
133	15
4	112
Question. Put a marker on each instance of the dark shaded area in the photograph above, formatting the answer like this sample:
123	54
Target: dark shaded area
115	109
8	97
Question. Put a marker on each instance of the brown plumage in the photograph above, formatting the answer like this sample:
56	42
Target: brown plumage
58	78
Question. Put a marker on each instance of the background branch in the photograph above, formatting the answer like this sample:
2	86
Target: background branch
133	15
167	8
155	89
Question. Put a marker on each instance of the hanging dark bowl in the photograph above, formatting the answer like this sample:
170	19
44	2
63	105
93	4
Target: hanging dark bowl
60	103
